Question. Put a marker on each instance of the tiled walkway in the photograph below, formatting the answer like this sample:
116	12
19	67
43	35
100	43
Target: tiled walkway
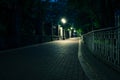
57	60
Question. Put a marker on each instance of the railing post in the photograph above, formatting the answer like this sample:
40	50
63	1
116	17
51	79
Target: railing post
93	42
105	44
118	48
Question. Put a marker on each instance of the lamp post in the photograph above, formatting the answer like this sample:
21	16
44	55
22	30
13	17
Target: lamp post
63	20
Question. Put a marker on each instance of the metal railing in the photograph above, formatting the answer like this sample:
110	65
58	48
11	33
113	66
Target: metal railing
105	44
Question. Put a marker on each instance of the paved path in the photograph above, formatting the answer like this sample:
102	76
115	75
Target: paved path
57	60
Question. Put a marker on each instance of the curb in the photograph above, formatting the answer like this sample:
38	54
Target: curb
85	65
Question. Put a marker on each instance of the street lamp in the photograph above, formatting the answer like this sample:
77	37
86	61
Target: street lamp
63	20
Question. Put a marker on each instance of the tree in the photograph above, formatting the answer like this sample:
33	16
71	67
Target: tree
91	13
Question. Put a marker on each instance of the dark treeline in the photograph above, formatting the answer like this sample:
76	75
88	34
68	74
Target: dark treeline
94	14
24	22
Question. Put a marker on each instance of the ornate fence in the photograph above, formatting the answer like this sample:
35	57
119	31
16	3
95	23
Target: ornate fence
105	44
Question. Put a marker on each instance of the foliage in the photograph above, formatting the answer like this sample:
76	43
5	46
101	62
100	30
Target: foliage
86	13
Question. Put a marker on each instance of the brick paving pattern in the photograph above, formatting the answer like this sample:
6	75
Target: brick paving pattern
56	60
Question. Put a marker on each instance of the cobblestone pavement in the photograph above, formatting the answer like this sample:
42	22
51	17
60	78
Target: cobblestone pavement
57	60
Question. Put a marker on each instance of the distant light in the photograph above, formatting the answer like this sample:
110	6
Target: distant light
74	30
71	28
63	20
61	31
68	29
